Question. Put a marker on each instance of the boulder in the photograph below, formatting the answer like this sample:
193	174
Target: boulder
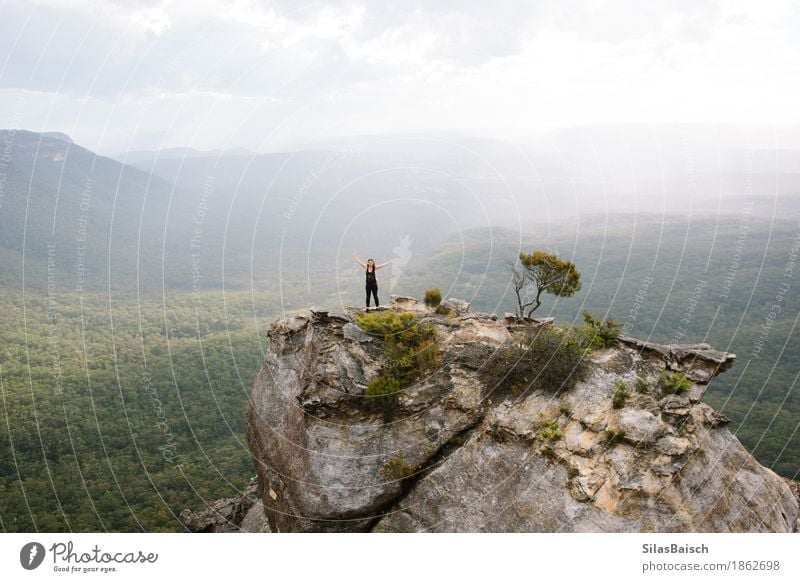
450	459
402	301
455	306
354	333
641	426
244	512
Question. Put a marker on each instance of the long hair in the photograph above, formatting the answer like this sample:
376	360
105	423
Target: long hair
373	264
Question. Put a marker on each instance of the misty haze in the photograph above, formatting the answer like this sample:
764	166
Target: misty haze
184	188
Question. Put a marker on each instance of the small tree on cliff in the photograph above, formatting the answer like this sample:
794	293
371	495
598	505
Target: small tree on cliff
543	272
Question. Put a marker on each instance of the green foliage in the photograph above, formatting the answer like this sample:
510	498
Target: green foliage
672	382
621	394
599	334
409	346
614	437
428	355
383	391
550	432
548	359
386	323
433	297
397	468
565	410
546	273
642	385
134	426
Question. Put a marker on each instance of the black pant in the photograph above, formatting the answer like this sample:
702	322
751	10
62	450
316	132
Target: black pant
374	290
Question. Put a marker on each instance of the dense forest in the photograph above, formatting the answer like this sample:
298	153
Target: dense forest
118	412
131	331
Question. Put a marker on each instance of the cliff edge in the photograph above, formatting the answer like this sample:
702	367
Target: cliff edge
611	453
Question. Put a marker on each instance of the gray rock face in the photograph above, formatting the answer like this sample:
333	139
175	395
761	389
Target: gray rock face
700	362
255	520
402	301
244	513
354	333
455	306
450	460
641	426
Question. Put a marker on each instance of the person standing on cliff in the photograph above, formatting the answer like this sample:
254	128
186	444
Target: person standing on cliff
372	283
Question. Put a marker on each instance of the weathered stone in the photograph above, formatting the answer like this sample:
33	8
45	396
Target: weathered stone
241	513
597	422
587	477
580	441
696	393
641	426
255	521
450	460
665	465
292	324
623	459
699	362
675	406
402	301
723	488
479	330
354	333
455	306
672	445
711	417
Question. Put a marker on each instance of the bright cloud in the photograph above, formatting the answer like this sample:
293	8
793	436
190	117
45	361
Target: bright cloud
254	72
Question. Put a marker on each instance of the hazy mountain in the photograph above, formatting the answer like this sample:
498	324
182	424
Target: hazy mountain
75	218
199	221
145	156
691	254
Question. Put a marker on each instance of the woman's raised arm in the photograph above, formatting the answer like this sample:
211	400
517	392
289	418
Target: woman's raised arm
382	265
359	260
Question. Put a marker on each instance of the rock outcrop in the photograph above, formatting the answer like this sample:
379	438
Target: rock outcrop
452	459
243	513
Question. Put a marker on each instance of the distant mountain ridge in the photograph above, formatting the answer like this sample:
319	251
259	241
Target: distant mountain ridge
177	153
74	218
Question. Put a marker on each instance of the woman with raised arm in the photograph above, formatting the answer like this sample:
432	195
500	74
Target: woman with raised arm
372	283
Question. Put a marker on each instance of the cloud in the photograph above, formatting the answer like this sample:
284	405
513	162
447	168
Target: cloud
255	69
153	20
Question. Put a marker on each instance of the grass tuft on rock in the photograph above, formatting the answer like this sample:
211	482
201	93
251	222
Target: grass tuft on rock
621	394
433	297
550	432
671	382
383	391
596	333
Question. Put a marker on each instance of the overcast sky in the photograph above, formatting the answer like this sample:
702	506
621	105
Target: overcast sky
146	74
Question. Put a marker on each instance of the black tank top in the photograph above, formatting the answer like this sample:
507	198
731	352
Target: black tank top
371	277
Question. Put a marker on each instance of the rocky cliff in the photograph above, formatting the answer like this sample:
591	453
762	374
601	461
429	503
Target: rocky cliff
243	513
455	456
